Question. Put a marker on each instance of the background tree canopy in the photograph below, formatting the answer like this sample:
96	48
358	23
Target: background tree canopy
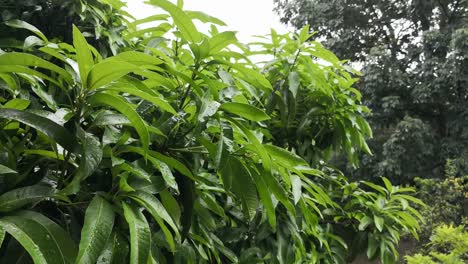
415	66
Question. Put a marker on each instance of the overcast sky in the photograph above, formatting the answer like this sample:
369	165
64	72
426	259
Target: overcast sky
247	17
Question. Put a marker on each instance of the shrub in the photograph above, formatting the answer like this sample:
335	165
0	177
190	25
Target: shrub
172	151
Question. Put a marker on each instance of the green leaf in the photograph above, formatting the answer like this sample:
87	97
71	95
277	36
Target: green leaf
388	184
152	18
157	210
24	59
265	197
2	235
29	73
243	186
364	222
376	187
296	188
171	162
137	58
221	41
204	17
284	157
294	83
140	235
208	108
84	56
44	240
379	222
165	172
20	197
17	103
45	153
181	19
372	246
108	71
253	77
244	110
304	34
412	199
57	235
161	103
124	108
171	204
91	155
116	250
44	125
259	148
97	227
5	170
16	23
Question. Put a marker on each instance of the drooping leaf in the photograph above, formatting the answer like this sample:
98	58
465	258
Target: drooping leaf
16	23
27	73
372	246
259	148
115	251
165	172
294	83
140	234
171	162
245	110
285	157
181	19
125	109
20	197
5	170
38	239
91	155
137	58
243	186
25	59
97	227
157	210
44	125
265	197
159	102
296	188
205	18
56	236
2	235
171	205
253	77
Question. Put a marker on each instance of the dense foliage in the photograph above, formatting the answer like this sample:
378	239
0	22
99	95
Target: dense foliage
414	59
177	148
448	198
448	245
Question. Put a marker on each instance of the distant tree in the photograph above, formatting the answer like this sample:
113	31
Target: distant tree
415	65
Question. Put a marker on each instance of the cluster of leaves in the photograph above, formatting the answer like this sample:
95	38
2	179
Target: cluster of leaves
103	22
448	245
414	59
178	149
448	200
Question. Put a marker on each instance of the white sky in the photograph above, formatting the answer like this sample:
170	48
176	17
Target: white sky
247	17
